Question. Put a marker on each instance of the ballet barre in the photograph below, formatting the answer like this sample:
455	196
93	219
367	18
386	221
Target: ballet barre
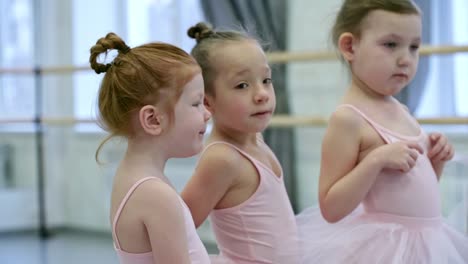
277	121
305	56
273	57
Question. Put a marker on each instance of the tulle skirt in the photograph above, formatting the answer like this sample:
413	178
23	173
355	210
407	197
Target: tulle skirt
375	238
291	255
218	259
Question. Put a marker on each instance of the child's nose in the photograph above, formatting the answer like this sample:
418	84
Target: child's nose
262	95
404	59
206	114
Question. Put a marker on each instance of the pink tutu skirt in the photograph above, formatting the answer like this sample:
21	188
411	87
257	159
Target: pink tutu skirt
289	257
218	259
375	238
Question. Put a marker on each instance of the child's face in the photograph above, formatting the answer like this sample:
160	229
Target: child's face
190	119
386	55
244	98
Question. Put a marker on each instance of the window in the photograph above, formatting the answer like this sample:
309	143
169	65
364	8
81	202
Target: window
460	22
446	88
16	50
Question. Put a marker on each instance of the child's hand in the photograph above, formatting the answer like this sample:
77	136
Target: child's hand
400	155
440	149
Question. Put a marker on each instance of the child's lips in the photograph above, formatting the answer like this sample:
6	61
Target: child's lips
262	113
401	75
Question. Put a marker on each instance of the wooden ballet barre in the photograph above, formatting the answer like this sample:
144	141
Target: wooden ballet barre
273	57
284	57
444	121
277	121
307	121
45	70
297	121
48	121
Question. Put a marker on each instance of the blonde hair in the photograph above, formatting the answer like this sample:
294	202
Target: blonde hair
206	41
147	74
353	12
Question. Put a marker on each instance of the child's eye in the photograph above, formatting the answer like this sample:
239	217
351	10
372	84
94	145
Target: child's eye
267	81
197	104
390	45
242	85
414	47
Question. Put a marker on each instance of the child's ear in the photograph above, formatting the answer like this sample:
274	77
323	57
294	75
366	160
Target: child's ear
208	102
152	119
346	44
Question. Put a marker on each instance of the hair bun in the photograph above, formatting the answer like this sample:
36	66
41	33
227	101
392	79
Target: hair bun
103	45
200	31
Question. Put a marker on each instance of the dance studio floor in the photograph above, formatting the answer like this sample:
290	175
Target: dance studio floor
67	247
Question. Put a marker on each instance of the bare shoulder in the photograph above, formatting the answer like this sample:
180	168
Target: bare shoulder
158	196
405	107
344	119
216	172
343	134
218	160
220	157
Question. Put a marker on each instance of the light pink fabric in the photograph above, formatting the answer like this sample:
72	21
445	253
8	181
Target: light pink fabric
263	228
197	251
399	220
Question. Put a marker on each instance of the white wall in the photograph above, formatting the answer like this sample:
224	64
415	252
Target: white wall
314	86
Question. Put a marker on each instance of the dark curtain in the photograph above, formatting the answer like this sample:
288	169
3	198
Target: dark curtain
267	20
411	95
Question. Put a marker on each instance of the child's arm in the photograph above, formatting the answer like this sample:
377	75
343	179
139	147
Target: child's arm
344	180
440	152
164	221
215	174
